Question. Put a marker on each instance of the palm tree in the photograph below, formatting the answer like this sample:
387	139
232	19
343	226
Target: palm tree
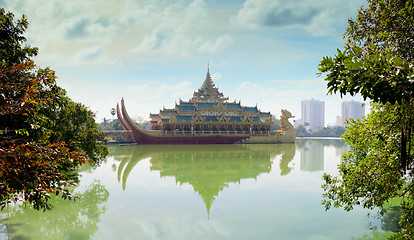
113	111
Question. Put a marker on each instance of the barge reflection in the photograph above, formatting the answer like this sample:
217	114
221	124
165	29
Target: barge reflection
207	168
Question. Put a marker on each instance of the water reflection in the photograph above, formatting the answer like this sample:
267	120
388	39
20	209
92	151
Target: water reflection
283	204
312	152
311	156
68	220
208	169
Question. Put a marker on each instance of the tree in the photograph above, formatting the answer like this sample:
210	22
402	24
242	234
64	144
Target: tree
377	62
44	135
276	124
113	112
336	131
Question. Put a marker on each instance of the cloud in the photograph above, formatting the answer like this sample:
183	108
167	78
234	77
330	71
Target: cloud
154	41
317	17
77	30
219	44
89	53
129	31
274	13
216	76
286	17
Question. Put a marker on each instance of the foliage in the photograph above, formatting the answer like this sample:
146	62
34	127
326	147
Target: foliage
44	135
377	62
115	125
61	119
11	50
108	125
373	171
276	124
323	132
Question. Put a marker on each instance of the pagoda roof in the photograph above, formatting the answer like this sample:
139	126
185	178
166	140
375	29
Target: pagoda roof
208	92
208	97
232	105
184	118
250	109
154	115
265	113
186	108
168	111
186	103
205	105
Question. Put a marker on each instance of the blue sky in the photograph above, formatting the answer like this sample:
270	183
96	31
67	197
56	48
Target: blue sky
153	52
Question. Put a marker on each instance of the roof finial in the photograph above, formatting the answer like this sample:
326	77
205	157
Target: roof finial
208	68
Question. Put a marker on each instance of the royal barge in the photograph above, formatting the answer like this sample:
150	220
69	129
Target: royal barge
208	118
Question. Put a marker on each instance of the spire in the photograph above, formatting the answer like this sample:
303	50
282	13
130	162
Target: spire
208	92
208	82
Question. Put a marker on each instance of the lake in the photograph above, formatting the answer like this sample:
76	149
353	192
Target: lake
269	191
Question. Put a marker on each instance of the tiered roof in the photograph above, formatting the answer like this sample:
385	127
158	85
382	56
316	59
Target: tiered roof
208	92
209	99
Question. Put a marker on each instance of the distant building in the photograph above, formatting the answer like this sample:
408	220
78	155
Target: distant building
313	114
337	123
352	110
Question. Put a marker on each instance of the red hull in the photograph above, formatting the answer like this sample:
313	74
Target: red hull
141	136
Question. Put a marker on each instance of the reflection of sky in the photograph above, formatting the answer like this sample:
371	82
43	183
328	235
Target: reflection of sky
311	157
270	206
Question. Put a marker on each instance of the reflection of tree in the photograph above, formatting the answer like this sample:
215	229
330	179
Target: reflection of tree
70	220
375	235
389	216
337	143
208	168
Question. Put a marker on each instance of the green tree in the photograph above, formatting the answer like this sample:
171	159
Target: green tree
113	112
377	62
44	135
301	131
276	124
337	131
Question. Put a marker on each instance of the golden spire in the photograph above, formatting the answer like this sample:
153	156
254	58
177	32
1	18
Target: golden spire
208	92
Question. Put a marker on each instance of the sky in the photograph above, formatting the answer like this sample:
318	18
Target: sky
153	53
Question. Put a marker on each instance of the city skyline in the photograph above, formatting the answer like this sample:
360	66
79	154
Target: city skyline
153	53
352	110
313	113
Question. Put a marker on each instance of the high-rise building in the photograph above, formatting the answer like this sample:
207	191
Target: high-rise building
352	109
313	114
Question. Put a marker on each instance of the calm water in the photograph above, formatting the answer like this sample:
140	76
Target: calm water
201	192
